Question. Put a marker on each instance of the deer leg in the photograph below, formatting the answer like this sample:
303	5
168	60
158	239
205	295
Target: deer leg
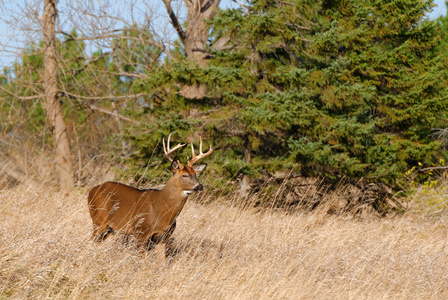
160	241
161	251
101	229
149	244
101	233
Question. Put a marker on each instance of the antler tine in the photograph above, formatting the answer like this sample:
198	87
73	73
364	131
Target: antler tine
195	158
167	149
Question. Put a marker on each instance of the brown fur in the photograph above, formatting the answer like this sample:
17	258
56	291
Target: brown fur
149	215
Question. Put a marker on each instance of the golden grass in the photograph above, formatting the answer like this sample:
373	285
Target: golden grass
222	252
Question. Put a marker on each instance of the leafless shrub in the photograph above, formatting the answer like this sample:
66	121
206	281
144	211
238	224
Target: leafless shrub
442	135
291	191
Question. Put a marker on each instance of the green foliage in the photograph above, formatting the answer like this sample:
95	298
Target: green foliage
342	88
346	89
82	81
442	27
353	90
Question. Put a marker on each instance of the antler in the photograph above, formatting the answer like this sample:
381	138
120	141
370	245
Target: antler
167	149
201	155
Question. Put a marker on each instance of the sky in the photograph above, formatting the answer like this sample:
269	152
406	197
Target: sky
11	40
440	10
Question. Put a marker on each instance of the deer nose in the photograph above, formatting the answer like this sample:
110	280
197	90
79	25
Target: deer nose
198	188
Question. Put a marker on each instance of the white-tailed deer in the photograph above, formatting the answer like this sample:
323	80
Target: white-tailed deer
148	215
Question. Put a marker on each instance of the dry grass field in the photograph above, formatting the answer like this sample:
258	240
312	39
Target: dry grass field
221	252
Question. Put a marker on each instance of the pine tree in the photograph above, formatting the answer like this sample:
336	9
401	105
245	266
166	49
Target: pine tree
442	24
339	89
344	88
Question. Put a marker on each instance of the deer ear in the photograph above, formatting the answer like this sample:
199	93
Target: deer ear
200	168
174	166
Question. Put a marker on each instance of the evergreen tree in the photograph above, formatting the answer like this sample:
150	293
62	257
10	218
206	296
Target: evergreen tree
442	23
343	88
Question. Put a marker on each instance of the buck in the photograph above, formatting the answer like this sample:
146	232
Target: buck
148	215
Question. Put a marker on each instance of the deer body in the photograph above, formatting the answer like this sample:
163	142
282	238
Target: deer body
149	215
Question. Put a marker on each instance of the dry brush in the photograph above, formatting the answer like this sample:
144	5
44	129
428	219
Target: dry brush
219	251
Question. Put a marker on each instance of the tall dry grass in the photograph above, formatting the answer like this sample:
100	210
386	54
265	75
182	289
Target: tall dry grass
221	252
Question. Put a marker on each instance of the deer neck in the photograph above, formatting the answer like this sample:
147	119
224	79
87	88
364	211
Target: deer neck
172	198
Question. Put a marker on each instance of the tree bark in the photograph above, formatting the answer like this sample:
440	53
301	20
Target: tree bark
195	36
52	105
197	29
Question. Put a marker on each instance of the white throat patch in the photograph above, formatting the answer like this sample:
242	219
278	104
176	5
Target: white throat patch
185	193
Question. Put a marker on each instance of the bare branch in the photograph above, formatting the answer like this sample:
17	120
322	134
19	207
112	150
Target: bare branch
147	39
221	44
434	168
174	20
155	94
298	26
207	6
77	72
25	98
111	97
112	113
289	3
241	4
124	73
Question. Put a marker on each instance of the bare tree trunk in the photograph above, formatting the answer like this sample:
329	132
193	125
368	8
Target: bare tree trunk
197	29
54	111
195	36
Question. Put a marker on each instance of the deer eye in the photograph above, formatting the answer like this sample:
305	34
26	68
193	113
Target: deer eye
185	175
